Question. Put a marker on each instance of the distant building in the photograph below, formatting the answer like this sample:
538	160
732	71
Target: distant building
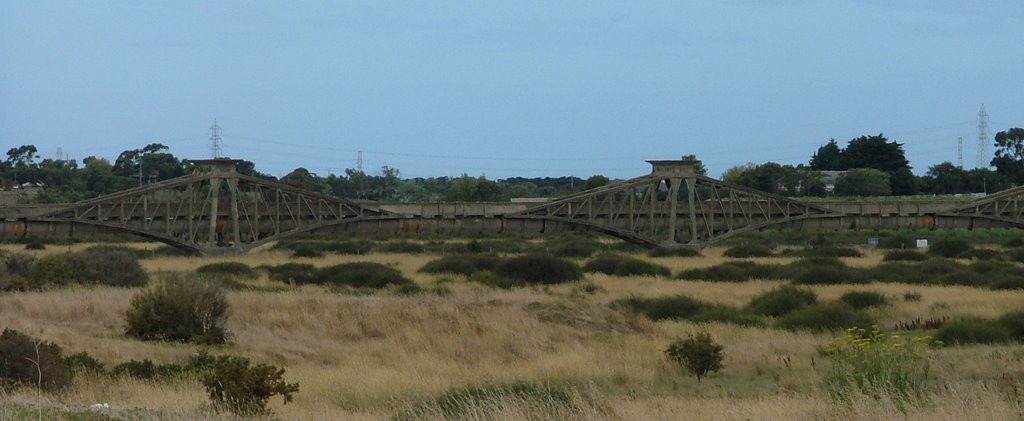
829	178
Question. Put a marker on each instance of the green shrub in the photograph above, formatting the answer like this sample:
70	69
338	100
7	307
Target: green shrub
26	361
347	247
782	300
35	244
82	362
822	270
972	330
539	269
233	383
19	264
145	370
298	273
698	353
402	247
663	308
491	279
1016	254
825	251
737	271
878	365
574	246
619	265
485	402
981	254
673	252
748	250
360	275
897	241
179	309
307	251
57	269
828	316
905	255
1014	242
230	269
863	299
113	267
681	307
948	247
1013	323
104	266
465	264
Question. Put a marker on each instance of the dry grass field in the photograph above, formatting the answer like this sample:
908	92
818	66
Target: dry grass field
375	356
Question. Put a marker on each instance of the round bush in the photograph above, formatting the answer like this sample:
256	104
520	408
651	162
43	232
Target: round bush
673	252
19	355
307	250
575	248
663	308
829	316
904	256
539	269
360	275
231	269
299	273
782	300
102	266
972	330
863	299
619	265
731	272
179	309
981	254
1013	323
948	247
461	264
113	267
748	250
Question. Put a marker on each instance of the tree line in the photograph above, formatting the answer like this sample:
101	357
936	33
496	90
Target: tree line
877	166
869	166
64	181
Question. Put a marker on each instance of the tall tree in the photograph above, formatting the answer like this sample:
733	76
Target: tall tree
1009	158
828	157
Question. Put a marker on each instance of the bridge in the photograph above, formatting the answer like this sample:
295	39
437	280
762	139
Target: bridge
216	210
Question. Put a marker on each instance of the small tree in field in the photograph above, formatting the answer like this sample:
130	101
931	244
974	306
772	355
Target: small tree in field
244	389
698	353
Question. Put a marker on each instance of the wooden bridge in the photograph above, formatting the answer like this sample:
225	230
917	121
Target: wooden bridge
216	210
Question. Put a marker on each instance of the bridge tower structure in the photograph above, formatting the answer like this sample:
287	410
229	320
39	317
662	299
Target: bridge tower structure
214	210
673	206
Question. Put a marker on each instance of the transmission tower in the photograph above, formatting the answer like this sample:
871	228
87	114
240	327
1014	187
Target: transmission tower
359	161
960	152
215	140
982	138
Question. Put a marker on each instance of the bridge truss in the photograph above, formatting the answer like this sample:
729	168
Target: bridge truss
672	206
213	210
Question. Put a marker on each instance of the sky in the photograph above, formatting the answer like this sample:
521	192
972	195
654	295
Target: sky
510	88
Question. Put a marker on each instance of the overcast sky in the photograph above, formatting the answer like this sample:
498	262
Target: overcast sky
511	88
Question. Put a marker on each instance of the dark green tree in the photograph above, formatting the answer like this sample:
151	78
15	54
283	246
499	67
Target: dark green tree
700	170
864	182
301	178
1009	158
698	353
596	181
828	157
